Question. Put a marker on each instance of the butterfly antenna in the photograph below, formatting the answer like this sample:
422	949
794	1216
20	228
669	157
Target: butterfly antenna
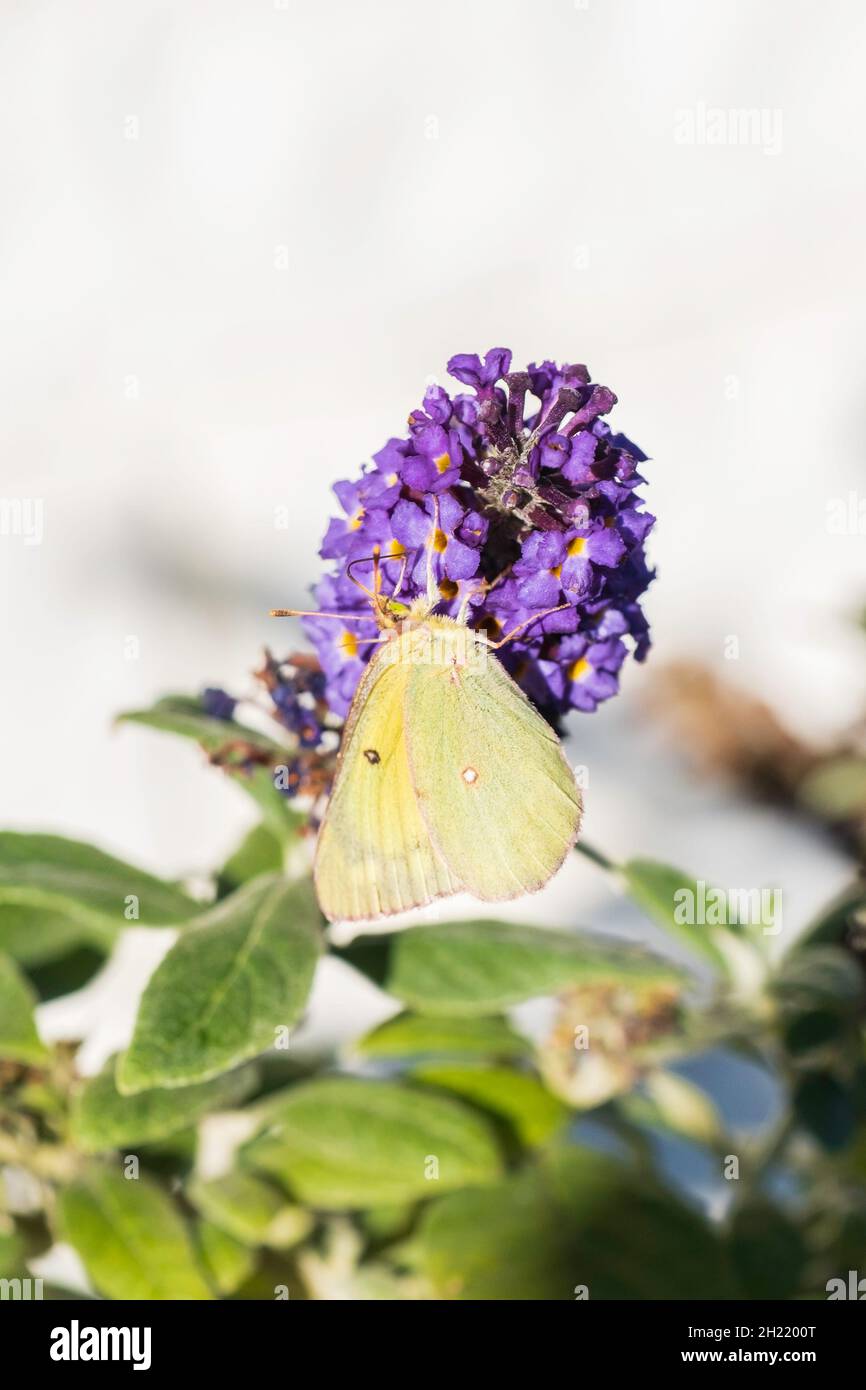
536	617
364	560
314	613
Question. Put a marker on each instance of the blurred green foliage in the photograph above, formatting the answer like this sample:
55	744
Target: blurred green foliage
446	1154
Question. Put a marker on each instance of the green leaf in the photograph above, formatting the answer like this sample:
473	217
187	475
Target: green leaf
655	888
468	968
19	1040
244	970
58	894
834	922
260	852
419	1035
283	821
371	955
36	929
515	1097
816	1032
575	1221
131	1238
827	1109
103	1119
185	716
340	1143
67	972
768	1251
384	1225
228	1262
172	1156
12	1255
820	976
250	1210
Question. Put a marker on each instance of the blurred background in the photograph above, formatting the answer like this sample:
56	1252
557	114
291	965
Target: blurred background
240	238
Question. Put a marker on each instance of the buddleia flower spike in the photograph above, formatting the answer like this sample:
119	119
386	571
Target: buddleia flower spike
507	500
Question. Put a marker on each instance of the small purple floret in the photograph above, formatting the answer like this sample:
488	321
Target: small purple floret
218	703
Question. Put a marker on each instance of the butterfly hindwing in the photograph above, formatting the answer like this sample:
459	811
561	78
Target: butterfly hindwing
493	784
374	854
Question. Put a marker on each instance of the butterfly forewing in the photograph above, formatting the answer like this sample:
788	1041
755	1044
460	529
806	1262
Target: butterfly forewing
493	784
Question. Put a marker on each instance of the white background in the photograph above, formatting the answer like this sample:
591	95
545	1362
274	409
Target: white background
237	240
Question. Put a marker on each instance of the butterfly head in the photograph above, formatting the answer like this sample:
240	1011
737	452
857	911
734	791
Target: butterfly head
391	613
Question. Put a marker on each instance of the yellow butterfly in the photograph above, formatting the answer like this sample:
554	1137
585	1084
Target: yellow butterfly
448	779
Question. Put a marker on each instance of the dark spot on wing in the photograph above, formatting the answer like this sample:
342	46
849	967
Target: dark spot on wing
372	756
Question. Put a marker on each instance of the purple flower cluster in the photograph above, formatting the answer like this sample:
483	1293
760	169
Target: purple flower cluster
297	688
529	502
302	763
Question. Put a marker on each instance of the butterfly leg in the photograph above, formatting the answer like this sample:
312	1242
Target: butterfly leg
479	589
463	610
404	561
545	613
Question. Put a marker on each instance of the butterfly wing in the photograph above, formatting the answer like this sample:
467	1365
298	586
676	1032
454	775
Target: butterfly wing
374	855
494	787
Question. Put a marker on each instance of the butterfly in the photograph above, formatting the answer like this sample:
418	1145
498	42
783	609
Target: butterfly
448	779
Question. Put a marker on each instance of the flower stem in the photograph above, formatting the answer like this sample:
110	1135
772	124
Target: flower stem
596	856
